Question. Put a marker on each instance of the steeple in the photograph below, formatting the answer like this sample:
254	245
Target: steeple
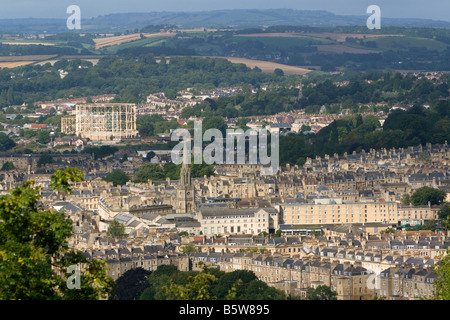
185	201
185	174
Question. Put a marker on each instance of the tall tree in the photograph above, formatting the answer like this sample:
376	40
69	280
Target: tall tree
115	229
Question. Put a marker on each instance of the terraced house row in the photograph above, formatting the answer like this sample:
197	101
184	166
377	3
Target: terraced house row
336	211
350	280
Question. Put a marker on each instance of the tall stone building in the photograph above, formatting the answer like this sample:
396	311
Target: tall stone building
185	202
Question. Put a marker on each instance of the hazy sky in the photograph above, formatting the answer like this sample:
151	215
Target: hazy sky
427	9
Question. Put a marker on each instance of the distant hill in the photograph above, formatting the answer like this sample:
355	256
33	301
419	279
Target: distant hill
211	19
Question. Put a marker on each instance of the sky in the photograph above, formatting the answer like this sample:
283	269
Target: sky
425	9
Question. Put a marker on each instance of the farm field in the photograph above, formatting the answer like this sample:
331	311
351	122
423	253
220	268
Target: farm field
339	37
14	64
25	43
18	61
146	42
267	66
283	42
117	40
26	58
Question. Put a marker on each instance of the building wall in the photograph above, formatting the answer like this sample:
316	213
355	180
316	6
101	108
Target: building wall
352	212
235	223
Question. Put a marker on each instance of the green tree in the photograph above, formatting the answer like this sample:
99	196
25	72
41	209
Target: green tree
167	282
405	199
115	229
6	143
259	290
44	137
34	254
427	194
117	177
444	215
322	292
236	282
131	284
8	165
424	156
100	152
157	279
442	282
197	288
278	72
444	212
152	171
214	122
44	159
189	249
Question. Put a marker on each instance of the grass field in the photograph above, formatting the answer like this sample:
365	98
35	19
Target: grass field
146	42
339	48
26	58
406	43
283	42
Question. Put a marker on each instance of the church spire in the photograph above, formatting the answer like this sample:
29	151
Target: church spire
185	174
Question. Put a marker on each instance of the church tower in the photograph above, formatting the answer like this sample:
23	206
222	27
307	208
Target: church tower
185	202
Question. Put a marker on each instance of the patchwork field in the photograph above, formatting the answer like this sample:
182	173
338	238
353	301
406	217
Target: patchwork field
117	40
339	37
18	61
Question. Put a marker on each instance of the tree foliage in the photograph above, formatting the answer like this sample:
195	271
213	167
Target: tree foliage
115	229
44	159
117	177
6	143
8	165
131	284
168	283
442	282
427	194
34	255
100	152
322	292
